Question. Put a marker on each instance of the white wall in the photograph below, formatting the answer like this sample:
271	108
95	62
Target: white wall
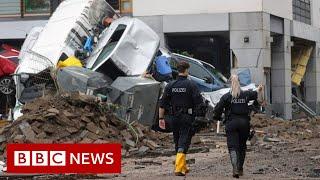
174	7
315	13
281	8
18	29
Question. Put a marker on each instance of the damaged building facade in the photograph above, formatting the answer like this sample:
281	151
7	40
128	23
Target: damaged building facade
279	41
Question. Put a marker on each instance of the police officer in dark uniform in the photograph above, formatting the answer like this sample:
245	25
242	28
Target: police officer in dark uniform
183	96
234	104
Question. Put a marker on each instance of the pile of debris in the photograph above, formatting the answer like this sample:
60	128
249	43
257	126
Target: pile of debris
77	118
306	128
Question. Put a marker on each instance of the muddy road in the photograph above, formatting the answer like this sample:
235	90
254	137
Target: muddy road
283	150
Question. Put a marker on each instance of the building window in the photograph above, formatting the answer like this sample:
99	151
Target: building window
37	6
9	7
126	6
301	11
114	3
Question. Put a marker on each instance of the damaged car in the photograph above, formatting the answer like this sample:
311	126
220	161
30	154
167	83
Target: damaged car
69	29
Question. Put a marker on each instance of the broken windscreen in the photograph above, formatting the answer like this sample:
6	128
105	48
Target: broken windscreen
216	73
110	46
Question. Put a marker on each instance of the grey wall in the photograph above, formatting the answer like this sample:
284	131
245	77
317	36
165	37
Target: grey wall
281	73
256	54
187	23
312	80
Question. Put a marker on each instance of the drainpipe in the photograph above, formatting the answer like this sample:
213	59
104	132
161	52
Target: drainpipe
22	8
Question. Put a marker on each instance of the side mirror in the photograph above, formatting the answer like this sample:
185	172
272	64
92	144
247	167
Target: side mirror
208	80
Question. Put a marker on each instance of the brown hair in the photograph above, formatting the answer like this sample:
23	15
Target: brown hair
183	66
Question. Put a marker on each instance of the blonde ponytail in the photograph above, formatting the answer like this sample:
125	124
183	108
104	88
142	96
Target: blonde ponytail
235	86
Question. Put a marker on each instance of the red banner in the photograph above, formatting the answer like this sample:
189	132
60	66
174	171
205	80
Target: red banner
64	158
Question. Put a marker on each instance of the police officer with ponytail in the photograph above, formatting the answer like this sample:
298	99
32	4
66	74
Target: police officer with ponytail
234	104
183	96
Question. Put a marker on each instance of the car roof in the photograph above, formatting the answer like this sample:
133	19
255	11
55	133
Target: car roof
193	59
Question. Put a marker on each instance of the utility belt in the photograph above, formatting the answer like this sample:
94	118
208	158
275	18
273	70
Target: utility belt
183	110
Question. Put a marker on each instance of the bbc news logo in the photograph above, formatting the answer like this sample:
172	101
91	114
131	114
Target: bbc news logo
64	158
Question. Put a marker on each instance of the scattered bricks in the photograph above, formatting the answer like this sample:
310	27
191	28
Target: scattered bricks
93	136
133	151
19	139
140	133
77	124
53	110
49	128
3	146
36	130
85	119
143	149
41	135
61	133
123	152
68	114
151	144
130	143
72	130
27	130
2	138
196	140
82	124
86	141
103	118
93	128
69	142
103	126
100	141
89	114
36	124
113	130
126	135
50	115
83	133
40	141
63	120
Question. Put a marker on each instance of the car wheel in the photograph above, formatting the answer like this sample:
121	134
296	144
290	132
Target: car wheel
6	85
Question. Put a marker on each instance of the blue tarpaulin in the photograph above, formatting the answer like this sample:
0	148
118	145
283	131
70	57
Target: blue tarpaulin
244	77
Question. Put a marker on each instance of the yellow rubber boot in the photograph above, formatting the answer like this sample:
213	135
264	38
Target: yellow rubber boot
185	168
180	164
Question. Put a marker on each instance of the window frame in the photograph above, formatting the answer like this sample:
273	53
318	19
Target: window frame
302	11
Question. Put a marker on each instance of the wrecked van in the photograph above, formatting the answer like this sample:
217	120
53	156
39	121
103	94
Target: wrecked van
126	48
71	24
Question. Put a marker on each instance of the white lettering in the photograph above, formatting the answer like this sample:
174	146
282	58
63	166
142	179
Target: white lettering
97	157
109	156
85	158
21	158
238	101
74	158
179	90
57	158
39	158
